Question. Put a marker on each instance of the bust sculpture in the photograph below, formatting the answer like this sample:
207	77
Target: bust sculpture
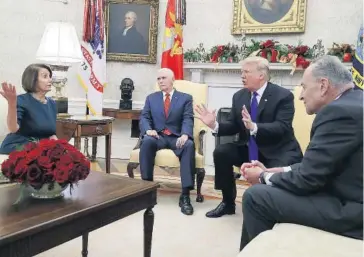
127	88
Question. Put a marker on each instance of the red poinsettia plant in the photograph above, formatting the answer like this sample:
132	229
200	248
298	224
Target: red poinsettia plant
46	162
269	51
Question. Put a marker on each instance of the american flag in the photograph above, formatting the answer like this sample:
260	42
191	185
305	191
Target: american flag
92	72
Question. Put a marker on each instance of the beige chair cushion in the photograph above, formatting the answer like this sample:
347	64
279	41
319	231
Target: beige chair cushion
302	122
167	158
290	240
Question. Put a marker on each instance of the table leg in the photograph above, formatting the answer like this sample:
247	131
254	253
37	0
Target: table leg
86	148
84	245
148	231
77	143
94	149
108	152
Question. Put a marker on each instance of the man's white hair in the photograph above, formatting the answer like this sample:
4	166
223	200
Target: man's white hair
331	68
133	14
169	72
261	63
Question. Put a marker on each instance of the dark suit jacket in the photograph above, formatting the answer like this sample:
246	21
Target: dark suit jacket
333	161
275	137
132	43
180	118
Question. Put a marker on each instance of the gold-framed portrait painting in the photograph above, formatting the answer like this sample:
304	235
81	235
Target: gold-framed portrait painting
131	30
269	16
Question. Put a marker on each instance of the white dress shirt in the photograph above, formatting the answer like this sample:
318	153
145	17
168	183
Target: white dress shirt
126	31
170	95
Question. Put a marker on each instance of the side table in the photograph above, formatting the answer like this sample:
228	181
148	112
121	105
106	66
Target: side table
133	115
122	114
79	126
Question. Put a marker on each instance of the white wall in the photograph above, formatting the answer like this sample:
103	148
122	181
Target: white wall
208	21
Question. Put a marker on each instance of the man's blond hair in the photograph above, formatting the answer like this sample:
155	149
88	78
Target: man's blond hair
261	63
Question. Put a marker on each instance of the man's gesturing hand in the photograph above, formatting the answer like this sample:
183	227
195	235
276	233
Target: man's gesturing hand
247	119
207	116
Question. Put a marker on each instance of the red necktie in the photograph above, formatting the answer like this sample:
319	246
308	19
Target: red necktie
167	103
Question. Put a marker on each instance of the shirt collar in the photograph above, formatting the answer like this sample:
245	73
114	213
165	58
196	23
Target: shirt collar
261	90
342	93
170	94
126	30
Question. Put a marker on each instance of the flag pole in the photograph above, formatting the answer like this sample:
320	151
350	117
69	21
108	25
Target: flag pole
87	109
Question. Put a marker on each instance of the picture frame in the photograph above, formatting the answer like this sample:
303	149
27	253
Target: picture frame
131	30
269	16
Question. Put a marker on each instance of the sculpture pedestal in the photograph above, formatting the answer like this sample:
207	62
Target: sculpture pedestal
62	104
126	104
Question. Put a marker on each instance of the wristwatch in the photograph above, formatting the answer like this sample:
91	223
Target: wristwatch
261	177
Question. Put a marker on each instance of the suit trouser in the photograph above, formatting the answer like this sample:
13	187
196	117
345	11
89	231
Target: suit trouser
225	157
186	154
264	206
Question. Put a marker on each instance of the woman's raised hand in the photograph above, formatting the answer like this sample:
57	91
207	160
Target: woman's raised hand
8	91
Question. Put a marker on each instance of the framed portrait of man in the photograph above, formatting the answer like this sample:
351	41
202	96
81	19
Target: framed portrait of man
269	16
131	30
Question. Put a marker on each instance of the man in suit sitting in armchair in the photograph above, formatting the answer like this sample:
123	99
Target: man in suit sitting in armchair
262	114
166	122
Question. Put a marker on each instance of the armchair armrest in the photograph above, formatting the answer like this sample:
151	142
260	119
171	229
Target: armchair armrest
201	134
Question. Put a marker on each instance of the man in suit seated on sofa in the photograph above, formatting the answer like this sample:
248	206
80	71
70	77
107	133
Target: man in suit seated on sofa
325	190
262	114
166	122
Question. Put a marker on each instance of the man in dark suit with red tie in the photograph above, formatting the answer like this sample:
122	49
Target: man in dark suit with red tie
166	122
262	114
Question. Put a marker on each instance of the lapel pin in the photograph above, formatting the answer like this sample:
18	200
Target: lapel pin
265	100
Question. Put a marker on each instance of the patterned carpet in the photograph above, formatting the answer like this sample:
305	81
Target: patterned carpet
170	180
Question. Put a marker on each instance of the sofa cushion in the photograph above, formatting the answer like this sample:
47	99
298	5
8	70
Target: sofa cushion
288	240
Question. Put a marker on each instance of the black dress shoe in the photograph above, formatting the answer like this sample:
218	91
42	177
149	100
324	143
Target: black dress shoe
185	204
222	209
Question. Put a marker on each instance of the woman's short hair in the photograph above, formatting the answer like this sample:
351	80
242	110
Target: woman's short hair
30	76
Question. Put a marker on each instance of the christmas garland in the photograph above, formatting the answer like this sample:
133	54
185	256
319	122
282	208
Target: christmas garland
299	56
345	52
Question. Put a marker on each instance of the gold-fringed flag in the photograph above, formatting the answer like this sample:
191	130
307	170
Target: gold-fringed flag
92	72
172	56
357	68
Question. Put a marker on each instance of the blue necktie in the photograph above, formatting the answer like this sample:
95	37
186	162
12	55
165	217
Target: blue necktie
253	148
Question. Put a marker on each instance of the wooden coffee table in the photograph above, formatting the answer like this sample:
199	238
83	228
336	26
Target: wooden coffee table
35	226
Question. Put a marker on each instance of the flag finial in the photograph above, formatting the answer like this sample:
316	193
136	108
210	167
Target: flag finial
180	12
